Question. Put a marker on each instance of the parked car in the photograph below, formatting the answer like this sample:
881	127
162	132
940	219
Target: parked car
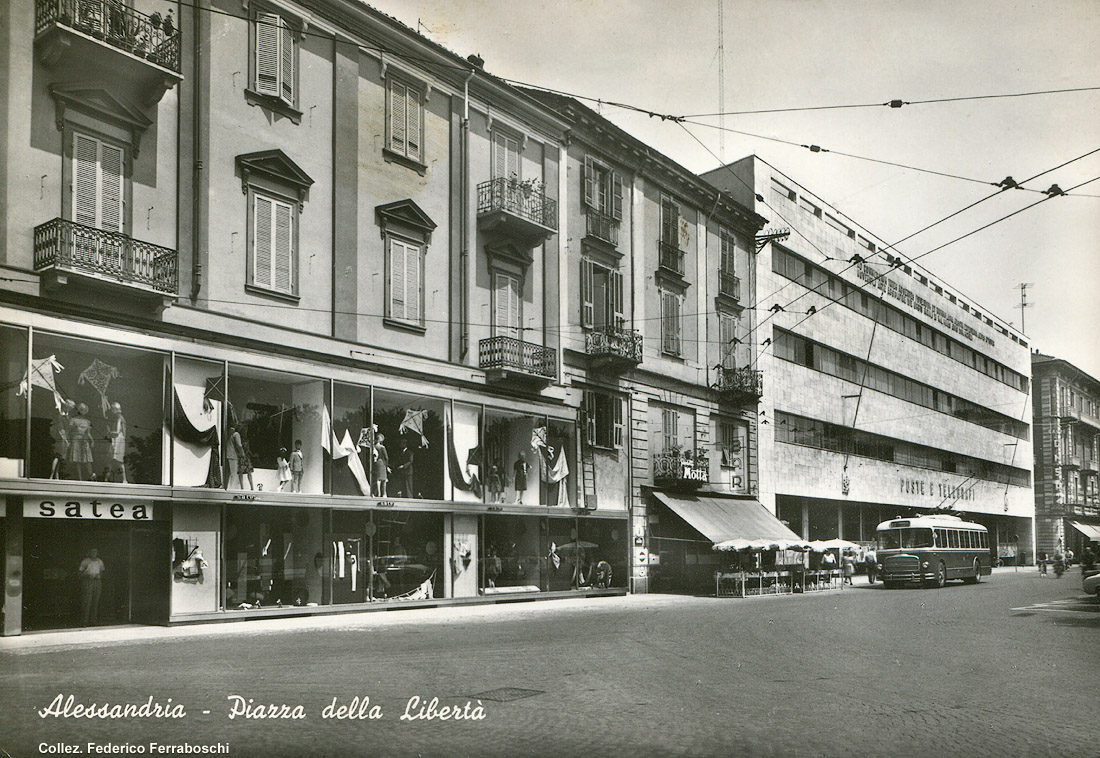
1091	583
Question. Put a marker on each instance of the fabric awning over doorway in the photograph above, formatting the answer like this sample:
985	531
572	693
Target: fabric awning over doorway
720	519
1089	530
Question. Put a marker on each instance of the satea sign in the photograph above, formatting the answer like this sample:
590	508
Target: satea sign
108	509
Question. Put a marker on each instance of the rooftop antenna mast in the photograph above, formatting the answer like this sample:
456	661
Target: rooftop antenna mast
1024	304
721	81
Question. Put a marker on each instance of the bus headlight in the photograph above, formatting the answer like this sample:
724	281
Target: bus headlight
924	564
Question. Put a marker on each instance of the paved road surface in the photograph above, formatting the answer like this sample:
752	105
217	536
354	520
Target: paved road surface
999	669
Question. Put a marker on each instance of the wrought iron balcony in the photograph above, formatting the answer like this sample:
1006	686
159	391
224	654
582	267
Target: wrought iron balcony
614	347
107	39
681	471
602	226
65	248
739	385
729	285
508	358
670	257
517	208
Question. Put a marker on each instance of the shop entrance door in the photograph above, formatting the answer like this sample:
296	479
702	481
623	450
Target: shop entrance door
53	551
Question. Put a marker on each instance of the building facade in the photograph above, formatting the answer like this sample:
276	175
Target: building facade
1067	435
886	392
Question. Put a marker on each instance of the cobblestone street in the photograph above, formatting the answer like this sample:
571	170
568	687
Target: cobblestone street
992	670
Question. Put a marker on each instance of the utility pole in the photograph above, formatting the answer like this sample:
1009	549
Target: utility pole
1024	304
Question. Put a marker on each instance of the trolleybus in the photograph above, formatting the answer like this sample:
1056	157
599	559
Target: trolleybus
931	550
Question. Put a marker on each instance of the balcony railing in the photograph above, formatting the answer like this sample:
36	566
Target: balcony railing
602	226
739	384
1088	466
68	246
615	345
671	257
517	199
1071	461
510	356
117	24
729	285
675	470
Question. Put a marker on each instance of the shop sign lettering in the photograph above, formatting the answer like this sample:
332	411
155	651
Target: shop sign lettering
248	498
104	510
941	490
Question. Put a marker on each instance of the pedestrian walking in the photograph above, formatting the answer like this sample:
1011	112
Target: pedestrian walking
848	564
1043	564
870	563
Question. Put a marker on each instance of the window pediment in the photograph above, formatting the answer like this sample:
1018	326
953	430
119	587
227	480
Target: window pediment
276	166
406	218
101	104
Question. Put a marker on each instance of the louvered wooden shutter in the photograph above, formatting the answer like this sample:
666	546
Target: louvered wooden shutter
85	180
588	309
590	417
412	123
670	322
668	429
668	223
398	273
617	197
262	242
268	62
727	332
590	183
412	283
507	306
513	158
500	157
111	188
615	291
398	132
617	421
287	62
283	249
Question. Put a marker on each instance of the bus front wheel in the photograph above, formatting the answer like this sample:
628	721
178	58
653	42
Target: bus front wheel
940	578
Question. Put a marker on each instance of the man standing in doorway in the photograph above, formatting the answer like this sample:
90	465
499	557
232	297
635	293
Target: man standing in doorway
91	585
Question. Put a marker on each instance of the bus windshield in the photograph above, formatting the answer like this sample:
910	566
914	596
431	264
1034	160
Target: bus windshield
894	539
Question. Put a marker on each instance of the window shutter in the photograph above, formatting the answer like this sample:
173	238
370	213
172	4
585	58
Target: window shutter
283	249
85	180
669	223
412	122
262	242
412	283
616	296
500	156
287	71
617	197
617	422
590	183
398	131
588	309
513	304
267	53
507	306
590	417
513	158
398	302
111	189
727	332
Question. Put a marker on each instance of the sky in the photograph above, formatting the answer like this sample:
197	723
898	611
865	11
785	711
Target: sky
662	56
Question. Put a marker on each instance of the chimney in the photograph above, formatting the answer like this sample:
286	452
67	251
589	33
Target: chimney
477	60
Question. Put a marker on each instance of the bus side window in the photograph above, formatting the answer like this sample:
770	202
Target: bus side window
941	538
966	539
952	538
985	540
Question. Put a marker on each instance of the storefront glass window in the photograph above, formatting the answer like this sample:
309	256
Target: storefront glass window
103	420
603	548
511	462
823	521
513	557
564	561
273	557
198	403
464	476
408	555
269	413
15	382
352	440
558	465
408	458
348	573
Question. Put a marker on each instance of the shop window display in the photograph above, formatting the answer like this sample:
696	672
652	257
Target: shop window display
390	557
103	418
603	550
408	456
511	457
352	440
464	475
270	416
514	554
564	554
273	557
557	463
15	382
198	404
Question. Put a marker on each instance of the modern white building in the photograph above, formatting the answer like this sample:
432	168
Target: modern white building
886	391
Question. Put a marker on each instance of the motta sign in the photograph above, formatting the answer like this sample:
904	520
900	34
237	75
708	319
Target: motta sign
90	510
